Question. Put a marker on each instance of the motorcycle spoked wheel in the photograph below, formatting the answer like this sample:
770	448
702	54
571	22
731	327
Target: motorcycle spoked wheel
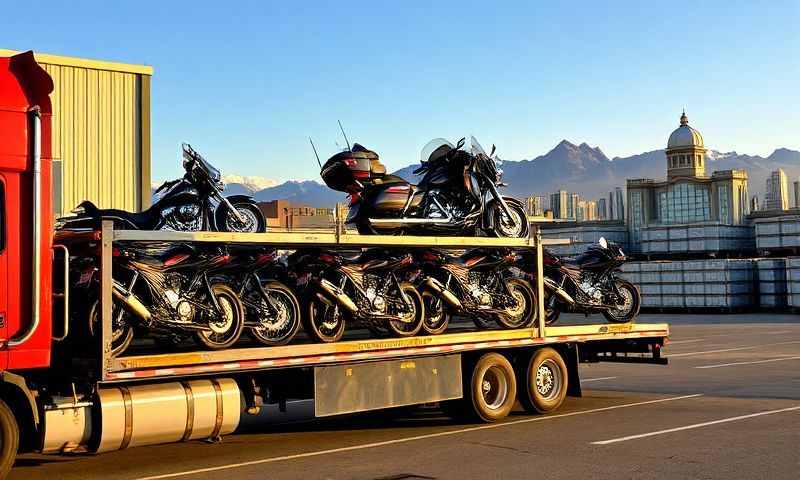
412	316
325	320
523	313
437	317
515	227
225	328
551	314
632	302
254	219
282	328
122	331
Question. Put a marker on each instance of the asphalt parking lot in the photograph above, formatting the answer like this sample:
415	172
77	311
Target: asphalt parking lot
727	406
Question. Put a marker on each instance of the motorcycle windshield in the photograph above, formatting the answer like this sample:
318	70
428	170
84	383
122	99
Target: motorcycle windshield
435	149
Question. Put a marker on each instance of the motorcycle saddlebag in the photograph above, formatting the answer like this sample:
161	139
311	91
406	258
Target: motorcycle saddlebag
346	170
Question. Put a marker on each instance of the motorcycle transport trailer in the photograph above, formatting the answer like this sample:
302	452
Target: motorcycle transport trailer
55	397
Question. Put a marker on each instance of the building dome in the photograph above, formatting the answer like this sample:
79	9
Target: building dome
685	136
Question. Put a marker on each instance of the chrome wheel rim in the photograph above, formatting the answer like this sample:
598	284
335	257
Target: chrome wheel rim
510	226
520	305
548	379
280	325
494	387
250	224
222	323
627	303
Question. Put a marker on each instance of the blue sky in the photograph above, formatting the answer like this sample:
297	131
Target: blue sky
248	82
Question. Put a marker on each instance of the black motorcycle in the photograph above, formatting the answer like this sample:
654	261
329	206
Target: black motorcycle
363	289
477	284
586	284
168	290
458	193
191	203
272	312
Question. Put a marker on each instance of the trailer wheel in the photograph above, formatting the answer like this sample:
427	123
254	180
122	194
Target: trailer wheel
543	386
493	388
9	439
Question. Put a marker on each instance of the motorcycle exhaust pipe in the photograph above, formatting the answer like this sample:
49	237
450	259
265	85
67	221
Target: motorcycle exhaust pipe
338	295
131	302
556	288
448	296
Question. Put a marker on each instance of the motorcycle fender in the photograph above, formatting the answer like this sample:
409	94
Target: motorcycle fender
488	218
240	199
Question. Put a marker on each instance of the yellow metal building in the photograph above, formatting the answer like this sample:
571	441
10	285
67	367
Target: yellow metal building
101	132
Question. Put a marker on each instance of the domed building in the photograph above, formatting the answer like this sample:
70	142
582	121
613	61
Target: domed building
688	195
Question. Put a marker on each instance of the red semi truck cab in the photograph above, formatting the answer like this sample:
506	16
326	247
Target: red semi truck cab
26	218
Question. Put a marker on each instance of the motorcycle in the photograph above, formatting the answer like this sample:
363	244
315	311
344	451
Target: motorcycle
458	193
362	289
169	290
587	284
272	312
191	203
477	284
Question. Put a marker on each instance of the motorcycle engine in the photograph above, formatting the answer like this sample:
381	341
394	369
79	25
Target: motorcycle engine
183	308
374	296
592	291
477	290
184	217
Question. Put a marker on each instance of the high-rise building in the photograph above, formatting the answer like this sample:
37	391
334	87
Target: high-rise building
754	203
619	204
602	210
572	206
796	185
776	196
580	211
535	205
590	211
688	195
558	204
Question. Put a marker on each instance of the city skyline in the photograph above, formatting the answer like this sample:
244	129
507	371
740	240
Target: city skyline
736	77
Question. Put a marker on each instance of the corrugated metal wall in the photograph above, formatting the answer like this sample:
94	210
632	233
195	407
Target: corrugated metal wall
101	133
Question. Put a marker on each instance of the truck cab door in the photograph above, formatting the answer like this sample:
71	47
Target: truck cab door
4	277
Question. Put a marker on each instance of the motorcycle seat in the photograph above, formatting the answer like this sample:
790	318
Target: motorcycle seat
162	257
145	220
390	180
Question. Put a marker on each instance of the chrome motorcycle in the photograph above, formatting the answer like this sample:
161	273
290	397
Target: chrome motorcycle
169	290
191	203
586	284
458	194
363	289
477	284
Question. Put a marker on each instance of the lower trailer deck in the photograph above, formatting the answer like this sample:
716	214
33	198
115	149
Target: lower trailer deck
171	365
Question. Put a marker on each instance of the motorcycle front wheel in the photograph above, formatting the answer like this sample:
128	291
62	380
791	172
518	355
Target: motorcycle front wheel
631	302
253	220
325	321
523	312
515	226
437	318
122	330
225	326
412	314
280	328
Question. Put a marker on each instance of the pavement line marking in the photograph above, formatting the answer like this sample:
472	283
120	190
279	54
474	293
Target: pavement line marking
408	439
749	347
696	425
750	363
596	379
693	340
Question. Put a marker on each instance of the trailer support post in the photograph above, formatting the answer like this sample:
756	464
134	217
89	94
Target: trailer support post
106	286
540	281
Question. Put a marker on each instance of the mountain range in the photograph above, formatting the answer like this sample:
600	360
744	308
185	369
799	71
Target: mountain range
577	168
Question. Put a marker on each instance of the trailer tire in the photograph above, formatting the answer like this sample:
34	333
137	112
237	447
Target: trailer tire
492	388
9	439
543	381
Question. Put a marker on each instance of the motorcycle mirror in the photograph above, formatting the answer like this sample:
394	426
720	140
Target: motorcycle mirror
493	150
602	242
460	143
